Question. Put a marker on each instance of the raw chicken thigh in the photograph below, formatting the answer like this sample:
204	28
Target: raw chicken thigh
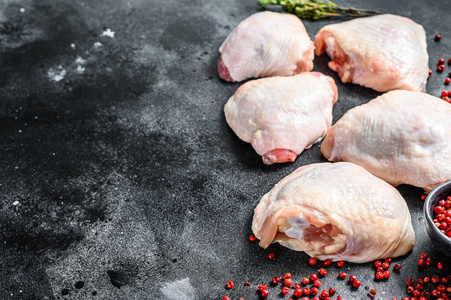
282	116
401	137
335	211
266	44
385	52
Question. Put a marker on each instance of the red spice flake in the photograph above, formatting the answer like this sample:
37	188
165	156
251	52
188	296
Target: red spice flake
297	293
306	291
437	37
265	293
423	197
421	262
322	272
440	266
314	291
275	279
313	277
340	263
356	284
262	287
285	290
317	283
247	283
441	61
435	279
372	293
380	275
312	261
271	256
397	267
324	294
229	284
342	275
286	275
288	282
332	291
327	262
252	238
305	281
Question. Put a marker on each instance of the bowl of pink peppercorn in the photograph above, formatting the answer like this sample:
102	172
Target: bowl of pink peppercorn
437	212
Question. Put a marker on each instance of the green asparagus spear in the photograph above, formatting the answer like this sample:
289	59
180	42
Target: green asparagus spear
317	9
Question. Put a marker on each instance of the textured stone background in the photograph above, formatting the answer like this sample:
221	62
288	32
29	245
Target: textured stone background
120	178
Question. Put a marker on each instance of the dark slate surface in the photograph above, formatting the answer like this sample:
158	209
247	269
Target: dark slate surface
120	178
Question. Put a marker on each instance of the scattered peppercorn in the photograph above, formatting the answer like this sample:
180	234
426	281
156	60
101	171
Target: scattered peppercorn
247	283
312	261
440	266
440	68
397	267
252	238
441	61
447	80
262	287
297	293
332	291
327	262
265	293
380	275
356	283
387	274
340	263
423	197
229	284
317	283
372	293
287	282
352	278
286	275
271	255
437	37
377	264
421	262
285	290
275	279
225	298
305	281
322	272
342	275
313	277
306	291
314	291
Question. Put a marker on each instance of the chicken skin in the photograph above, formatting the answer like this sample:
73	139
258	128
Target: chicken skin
384	52
401	137
335	211
266	44
282	116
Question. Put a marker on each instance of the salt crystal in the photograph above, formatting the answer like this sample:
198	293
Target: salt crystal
22	10
15	203
97	45
108	32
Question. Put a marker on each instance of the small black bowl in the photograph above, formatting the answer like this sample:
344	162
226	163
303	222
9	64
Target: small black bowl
440	240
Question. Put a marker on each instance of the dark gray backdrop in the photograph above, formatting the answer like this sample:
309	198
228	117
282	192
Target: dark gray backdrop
120	178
